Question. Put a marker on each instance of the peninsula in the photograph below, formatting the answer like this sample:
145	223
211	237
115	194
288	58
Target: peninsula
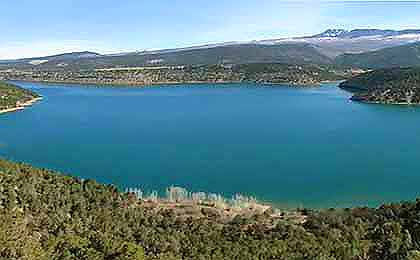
400	86
13	98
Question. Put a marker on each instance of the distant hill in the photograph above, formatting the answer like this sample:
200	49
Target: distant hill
237	54
400	56
59	57
388	86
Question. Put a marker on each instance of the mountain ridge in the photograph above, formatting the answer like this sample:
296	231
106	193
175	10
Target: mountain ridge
321	48
356	33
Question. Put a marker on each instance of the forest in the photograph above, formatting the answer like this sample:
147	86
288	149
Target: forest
47	215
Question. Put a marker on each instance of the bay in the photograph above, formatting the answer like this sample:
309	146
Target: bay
296	147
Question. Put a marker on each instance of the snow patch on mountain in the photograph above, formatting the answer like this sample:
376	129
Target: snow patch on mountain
37	62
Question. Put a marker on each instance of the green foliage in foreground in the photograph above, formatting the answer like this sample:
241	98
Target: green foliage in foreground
10	95
49	216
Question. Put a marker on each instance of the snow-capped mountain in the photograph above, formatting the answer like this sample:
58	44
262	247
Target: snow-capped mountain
332	33
334	42
360	33
331	42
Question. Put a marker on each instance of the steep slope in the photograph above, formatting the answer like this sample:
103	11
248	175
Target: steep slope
400	56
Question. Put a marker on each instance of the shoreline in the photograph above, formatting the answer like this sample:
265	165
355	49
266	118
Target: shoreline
362	99
21	106
172	83
353	99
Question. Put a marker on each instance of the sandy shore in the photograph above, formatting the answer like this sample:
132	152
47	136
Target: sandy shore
21	106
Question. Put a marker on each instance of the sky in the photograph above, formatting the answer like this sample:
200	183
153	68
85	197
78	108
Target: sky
32	28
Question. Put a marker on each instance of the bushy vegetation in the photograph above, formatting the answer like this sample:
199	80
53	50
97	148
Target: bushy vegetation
284	73
45	215
397	85
253	73
11	95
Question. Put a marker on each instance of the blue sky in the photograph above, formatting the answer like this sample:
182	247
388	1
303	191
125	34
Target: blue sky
36	28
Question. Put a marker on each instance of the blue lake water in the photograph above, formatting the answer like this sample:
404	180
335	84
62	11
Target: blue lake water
295	147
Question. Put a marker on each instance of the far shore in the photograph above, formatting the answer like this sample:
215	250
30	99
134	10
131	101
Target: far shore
169	83
21	106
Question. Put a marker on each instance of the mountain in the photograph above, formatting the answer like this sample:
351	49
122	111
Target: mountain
321	48
358	33
335	42
333	33
399	56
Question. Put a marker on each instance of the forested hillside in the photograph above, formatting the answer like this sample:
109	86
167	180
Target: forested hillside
45	215
236	54
400	56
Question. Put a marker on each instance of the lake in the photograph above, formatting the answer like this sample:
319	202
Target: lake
307	147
